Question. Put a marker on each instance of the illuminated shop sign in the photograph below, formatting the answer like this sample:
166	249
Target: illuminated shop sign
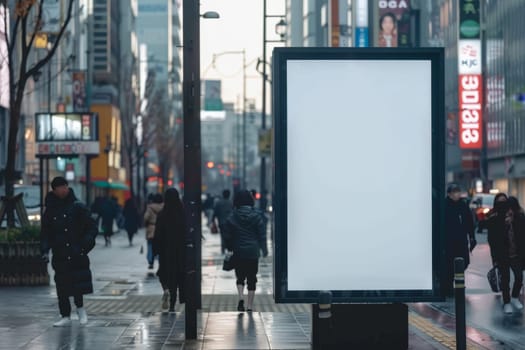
67	133
470	106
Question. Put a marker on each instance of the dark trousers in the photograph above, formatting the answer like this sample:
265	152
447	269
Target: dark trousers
130	235
516	266
178	285
223	243
64	304
246	269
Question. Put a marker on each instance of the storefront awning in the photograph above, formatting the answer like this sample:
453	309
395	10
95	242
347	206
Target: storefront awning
111	185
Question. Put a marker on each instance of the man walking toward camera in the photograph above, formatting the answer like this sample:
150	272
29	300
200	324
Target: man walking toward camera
69	231
459	233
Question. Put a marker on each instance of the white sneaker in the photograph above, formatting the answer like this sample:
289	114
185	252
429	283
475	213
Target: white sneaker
516	303
82	315
507	308
165	299
64	321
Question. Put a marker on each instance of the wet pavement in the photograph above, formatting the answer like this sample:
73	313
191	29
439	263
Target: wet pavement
125	311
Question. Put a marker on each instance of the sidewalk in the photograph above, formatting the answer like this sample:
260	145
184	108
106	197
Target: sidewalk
125	311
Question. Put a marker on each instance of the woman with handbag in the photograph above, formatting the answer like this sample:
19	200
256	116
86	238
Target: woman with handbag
244	234
506	237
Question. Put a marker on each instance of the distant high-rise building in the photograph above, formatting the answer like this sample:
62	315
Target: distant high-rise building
158	28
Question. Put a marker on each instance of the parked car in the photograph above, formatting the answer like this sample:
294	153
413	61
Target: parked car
480	205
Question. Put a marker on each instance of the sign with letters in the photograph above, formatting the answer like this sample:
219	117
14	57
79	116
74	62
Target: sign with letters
67	134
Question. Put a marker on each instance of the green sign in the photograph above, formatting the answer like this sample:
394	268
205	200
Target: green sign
213	104
469	19
469	29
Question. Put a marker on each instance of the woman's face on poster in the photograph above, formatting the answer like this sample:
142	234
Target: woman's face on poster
388	25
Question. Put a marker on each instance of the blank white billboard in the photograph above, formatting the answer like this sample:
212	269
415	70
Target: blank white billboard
359	175
359	165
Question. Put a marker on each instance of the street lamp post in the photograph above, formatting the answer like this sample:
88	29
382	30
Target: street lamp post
107	151
279	29
191	92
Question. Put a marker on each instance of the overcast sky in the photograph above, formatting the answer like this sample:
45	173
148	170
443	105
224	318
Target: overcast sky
240	27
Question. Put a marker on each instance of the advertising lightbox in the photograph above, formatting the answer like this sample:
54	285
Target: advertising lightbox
358	174
68	134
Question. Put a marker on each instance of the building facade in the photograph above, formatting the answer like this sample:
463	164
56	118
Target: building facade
500	162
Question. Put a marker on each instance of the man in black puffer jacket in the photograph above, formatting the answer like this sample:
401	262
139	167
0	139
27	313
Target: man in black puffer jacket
69	231
459	234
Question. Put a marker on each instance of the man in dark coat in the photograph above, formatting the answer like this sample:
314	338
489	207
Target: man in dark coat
131	219
69	231
459	233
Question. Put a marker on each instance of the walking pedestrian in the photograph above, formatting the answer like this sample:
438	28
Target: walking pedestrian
69	231
131	219
108	214
506	237
150	218
169	243
221	212
207	208
244	234
459	234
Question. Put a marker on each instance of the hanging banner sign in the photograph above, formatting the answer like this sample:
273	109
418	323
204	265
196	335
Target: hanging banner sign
394	23
470	106
469	57
79	91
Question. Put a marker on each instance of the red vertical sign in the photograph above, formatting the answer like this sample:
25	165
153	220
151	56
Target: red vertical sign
470	111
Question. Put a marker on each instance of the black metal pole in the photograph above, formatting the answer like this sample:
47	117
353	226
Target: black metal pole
49	87
263	109
88	180
48	111
244	119
41	162
459	290
192	160
484	163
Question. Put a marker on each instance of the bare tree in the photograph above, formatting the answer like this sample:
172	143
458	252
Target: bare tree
160	130
163	130
20	37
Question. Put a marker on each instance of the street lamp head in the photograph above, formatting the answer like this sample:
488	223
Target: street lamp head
280	28
211	15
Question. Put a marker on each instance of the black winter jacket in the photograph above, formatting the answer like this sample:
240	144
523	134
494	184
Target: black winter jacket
170	244
69	231
244	233
459	226
498	236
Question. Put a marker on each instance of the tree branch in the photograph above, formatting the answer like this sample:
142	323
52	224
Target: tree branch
51	52
37	23
14	33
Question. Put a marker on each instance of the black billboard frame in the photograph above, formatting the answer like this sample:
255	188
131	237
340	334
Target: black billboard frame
437	58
